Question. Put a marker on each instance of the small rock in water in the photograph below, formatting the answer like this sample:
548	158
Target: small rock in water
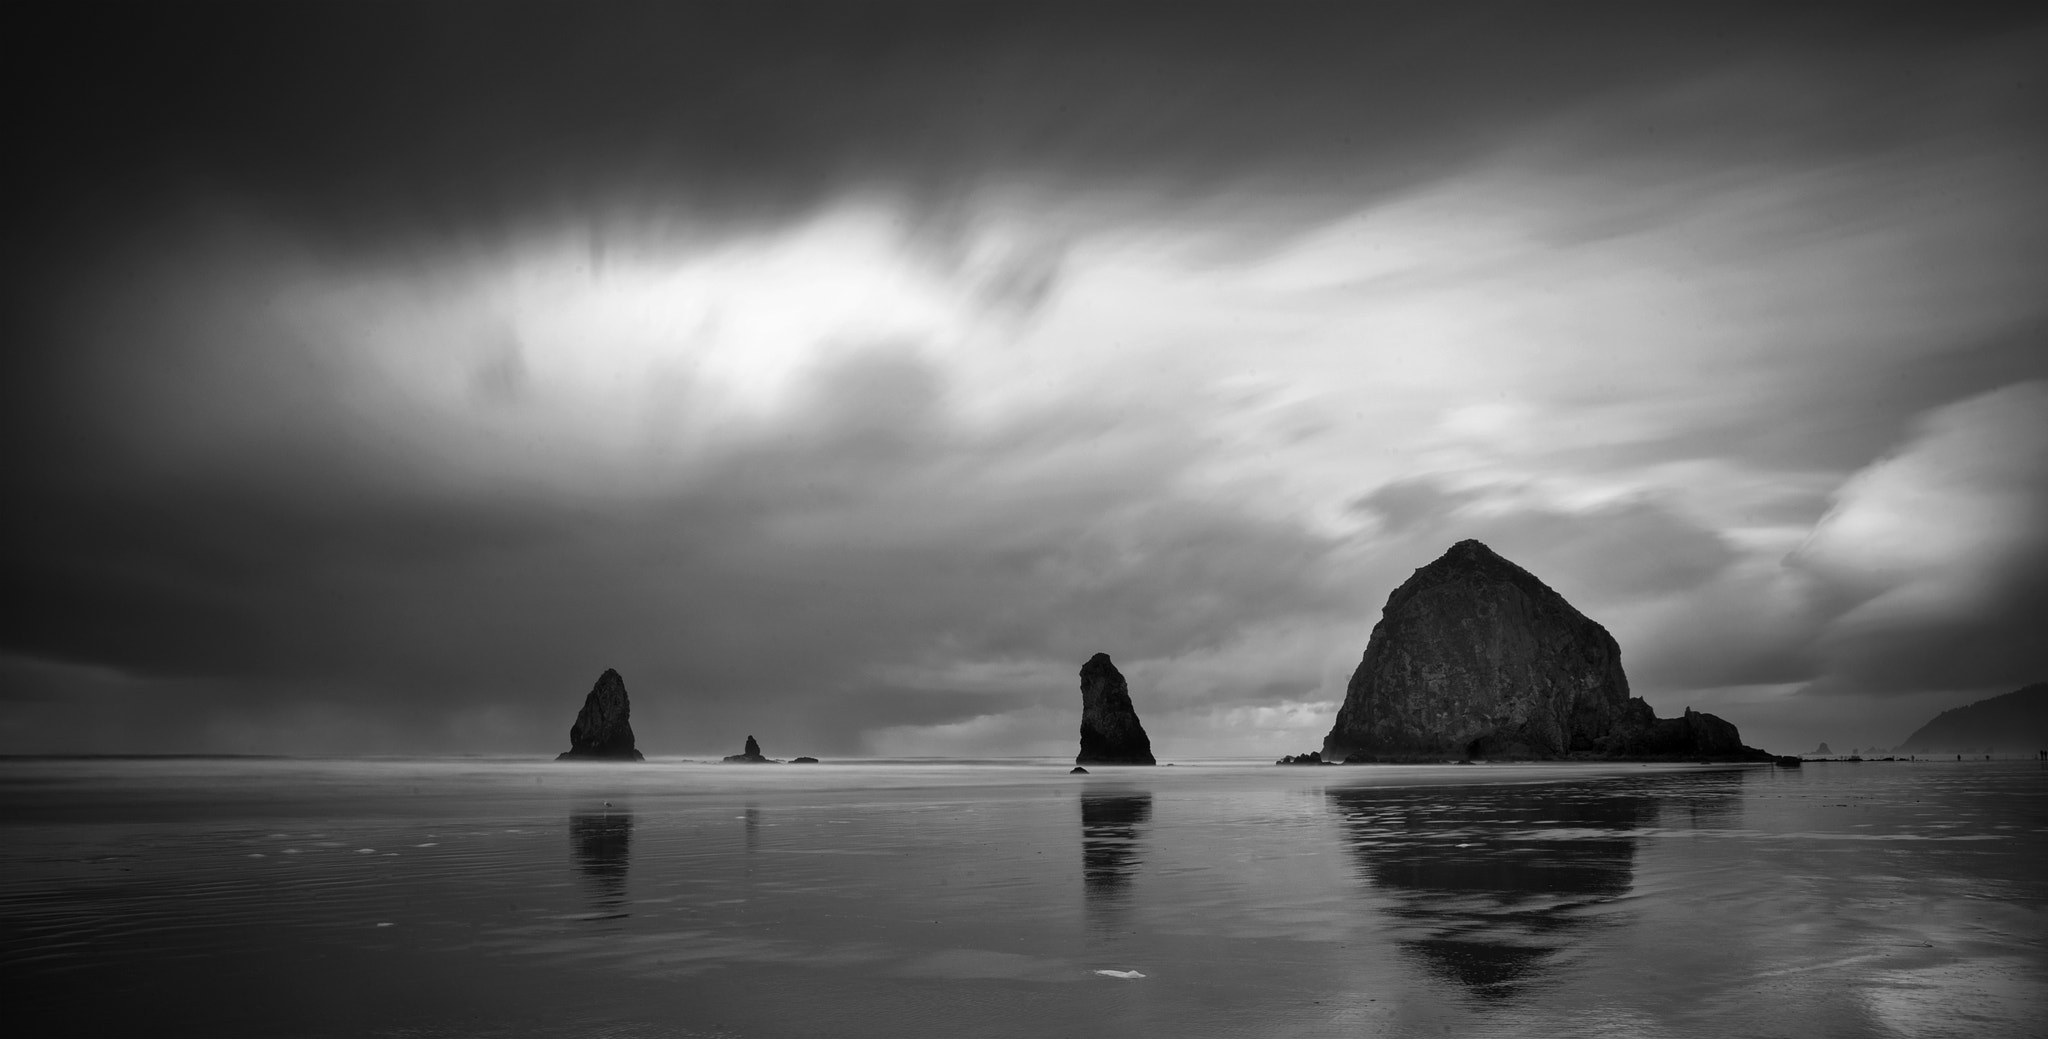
1077	771
750	755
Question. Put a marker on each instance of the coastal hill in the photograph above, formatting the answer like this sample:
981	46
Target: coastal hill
2016	721
1474	657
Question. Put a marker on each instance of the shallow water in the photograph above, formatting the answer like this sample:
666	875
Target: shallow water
505	898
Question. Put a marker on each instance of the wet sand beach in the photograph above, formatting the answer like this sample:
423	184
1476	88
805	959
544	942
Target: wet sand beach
517	898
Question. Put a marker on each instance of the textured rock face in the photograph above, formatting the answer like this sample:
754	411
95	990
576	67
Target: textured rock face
1110	732
603	727
1473	656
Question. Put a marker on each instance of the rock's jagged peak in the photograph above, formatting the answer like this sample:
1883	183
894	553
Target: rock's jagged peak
1470	559
1099	664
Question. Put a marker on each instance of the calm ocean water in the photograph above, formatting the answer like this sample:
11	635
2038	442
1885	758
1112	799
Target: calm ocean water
506	898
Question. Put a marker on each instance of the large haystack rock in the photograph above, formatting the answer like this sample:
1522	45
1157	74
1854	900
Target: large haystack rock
1110	731
603	728
1475	657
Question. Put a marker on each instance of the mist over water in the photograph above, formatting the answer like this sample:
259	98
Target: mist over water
508	898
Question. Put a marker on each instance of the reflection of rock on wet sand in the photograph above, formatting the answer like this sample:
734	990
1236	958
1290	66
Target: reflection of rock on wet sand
1109	848
1489	881
603	841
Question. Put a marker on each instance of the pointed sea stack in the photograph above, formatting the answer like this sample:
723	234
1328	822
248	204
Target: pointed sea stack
750	756
1110	731
1474	657
603	729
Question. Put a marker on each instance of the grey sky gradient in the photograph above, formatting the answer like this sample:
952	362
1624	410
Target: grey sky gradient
376	375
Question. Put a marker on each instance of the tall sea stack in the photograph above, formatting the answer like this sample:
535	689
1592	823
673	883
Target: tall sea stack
1475	657
603	728
1110	732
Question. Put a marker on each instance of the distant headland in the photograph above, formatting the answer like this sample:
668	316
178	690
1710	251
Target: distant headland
2016	721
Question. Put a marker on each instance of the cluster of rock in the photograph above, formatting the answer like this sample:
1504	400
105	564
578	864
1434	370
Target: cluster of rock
751	755
1474	657
604	731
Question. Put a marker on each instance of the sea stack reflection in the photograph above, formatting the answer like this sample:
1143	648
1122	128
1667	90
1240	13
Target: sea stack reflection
1111	825
604	728
1110	731
603	841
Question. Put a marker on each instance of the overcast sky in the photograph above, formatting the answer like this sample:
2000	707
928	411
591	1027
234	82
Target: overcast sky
376	375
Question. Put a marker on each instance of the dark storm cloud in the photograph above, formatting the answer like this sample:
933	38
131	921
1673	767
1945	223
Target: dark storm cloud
372	120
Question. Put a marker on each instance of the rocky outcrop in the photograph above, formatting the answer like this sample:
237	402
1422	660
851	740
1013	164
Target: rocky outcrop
1822	749
1110	731
750	756
603	729
1314	757
1474	657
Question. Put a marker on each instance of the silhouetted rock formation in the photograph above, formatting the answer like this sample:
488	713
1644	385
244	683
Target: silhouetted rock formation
603	728
1823	749
1314	757
805	760
2017	721
1110	732
1474	657
1077	771
750	756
